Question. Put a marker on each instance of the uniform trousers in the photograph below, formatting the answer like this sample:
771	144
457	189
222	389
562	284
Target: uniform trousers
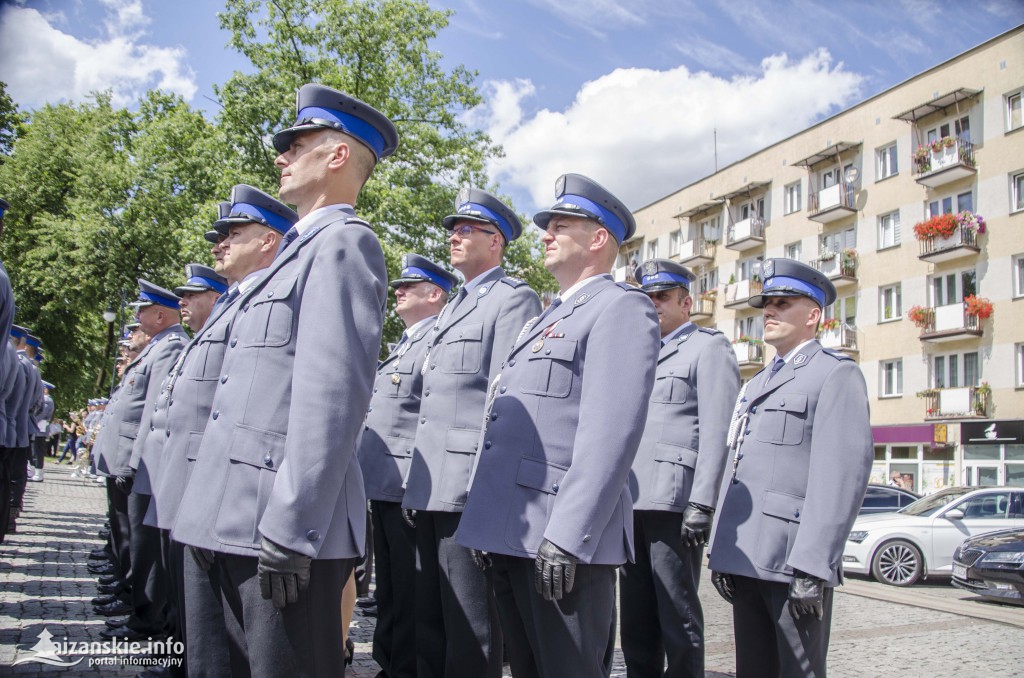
19	476
225	609
6	489
394	546
769	641
120	531
457	627
39	447
172	554
661	612
148	576
573	636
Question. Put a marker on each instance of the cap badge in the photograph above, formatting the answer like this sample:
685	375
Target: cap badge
650	268
405	261
560	186
768	268
463	197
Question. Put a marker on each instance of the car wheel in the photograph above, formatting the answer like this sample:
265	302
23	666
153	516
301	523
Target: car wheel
897	563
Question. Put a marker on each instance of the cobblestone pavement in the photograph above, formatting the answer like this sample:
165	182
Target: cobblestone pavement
44	584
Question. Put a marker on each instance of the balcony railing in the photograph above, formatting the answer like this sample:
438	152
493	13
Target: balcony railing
838	268
737	293
748	353
949	323
696	252
745	234
624	274
949	163
967	402
829	204
842	338
963	242
703	308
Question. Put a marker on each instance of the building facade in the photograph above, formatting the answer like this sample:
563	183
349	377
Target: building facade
912	202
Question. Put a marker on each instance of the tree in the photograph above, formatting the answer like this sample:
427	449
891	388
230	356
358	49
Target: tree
11	122
378	51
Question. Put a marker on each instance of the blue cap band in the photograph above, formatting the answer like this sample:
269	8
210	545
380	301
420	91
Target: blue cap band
349	124
16	333
32	341
607	217
260	215
785	283
499	221
207	282
159	299
665	276
438	280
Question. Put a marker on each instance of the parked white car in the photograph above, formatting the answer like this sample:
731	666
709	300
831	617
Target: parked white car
903	547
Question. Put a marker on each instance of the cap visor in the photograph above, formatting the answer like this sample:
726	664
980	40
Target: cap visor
449	221
544	216
191	288
283	140
659	286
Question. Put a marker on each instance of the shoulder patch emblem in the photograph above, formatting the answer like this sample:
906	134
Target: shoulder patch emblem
800	359
580	299
482	290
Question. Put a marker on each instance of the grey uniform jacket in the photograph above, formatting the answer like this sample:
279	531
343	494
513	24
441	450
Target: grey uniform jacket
803	465
41	418
6	377
182	411
32	397
683	449
15	395
164	350
465	353
564	428
278	457
389	431
107	429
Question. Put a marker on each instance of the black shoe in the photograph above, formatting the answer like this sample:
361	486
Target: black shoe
109	579
101	569
105	599
114	609
110	589
99	554
350	651
114	622
370	611
103	534
128	634
369	601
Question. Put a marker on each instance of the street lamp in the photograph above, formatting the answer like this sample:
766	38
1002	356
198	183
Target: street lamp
109	316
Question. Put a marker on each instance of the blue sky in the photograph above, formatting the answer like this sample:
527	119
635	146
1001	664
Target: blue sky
627	91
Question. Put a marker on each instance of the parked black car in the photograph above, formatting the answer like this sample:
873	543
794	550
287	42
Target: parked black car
992	566
886	499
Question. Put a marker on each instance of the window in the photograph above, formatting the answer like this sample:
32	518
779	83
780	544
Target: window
952	288
652	249
673	243
838	241
794	250
1018	275
892	378
844	309
956	370
887	165
1017	192
630	258
890	303
1018	351
750	327
711	229
961	127
889	230
1013	112
746	269
707	281
792	198
986	506
963	202
754	208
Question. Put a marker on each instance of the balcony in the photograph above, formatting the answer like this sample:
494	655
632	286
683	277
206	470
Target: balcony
746	234
967	402
963	243
945	161
749	354
948	323
842	337
832	204
696	252
624	274
840	268
737	293
703	308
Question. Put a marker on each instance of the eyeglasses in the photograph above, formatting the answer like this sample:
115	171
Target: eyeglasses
466	229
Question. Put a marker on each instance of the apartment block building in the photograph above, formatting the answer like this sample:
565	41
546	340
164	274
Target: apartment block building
912	202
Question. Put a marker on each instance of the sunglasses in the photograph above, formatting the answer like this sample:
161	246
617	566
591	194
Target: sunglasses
466	229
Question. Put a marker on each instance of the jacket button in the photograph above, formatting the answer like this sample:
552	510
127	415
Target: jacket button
747	432
504	388
782	404
216	413
268	462
487	444
671	371
234	342
679	457
739	455
224	379
426	393
369	409
433	366
494	416
313	535
152	428
753	409
586	538
423	420
554	487
547	352
374	390
512	363
167	434
796	514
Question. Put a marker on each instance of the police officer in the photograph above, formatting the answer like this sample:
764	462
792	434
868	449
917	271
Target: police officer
549	500
30	398
276	501
385	451
457	631
41	423
8	367
674	482
802	452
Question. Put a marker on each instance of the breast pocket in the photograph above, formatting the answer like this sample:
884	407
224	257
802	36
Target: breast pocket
398	383
549	370
672	385
782	419
209	354
255	456
463	349
269	314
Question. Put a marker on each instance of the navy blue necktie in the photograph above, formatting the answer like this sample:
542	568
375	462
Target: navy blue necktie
776	366
291	235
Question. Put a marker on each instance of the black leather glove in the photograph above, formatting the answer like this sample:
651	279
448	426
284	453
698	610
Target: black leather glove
725	585
554	571
805	595
482	559
125	481
203	557
697	524
283	573
409	516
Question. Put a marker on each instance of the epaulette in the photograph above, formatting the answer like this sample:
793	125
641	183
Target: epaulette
356	220
626	286
838	355
513	282
709	330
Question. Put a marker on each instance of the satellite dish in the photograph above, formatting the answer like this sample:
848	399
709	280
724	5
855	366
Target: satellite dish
852	174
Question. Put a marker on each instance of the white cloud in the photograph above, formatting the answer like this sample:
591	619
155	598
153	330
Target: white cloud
644	133
42	64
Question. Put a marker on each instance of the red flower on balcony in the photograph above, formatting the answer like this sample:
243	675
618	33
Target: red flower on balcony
982	308
941	225
920	316
830	324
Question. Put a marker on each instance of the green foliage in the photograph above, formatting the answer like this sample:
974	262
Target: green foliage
11	122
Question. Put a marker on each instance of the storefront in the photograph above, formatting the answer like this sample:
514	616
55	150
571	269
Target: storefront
917	457
993	452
